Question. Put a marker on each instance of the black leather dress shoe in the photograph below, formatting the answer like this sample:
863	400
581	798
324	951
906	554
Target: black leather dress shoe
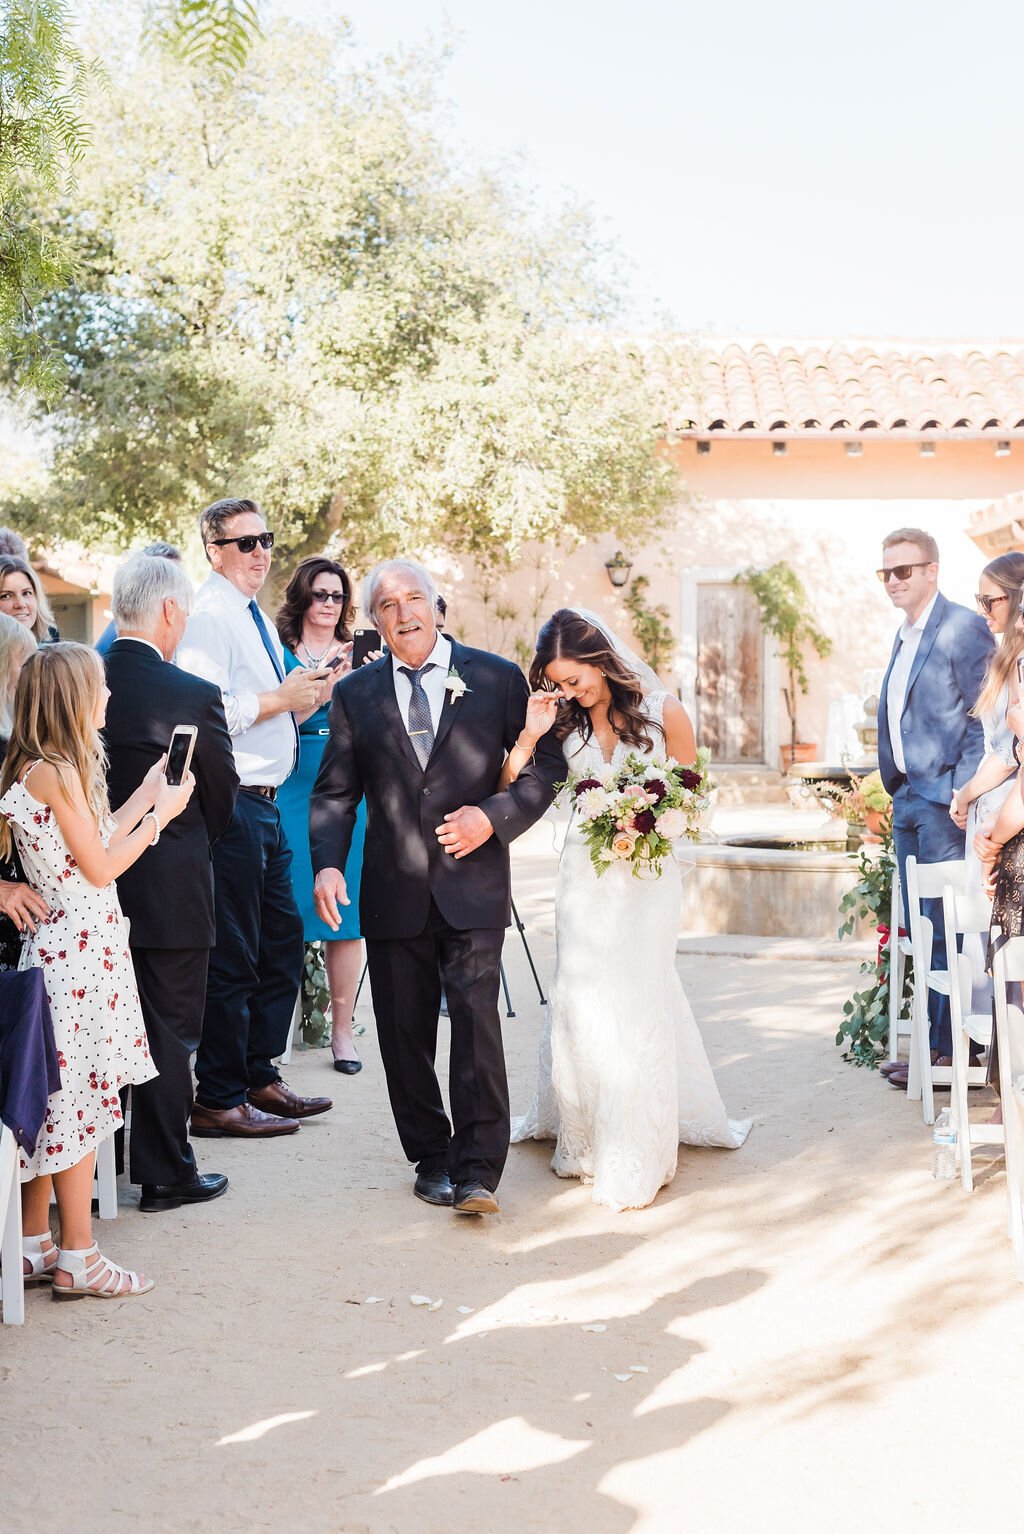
157	1196
474	1198
434	1188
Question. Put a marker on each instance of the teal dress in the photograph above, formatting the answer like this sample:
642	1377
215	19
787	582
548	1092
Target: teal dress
293	803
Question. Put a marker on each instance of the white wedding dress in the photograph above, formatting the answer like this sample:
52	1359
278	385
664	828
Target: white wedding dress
623	1073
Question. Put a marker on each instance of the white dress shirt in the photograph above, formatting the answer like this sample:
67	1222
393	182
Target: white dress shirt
135	639
899	676
440	658
223	645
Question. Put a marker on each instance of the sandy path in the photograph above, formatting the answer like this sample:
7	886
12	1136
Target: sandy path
810	1311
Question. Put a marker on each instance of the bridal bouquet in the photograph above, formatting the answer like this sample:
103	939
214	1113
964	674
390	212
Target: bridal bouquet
632	811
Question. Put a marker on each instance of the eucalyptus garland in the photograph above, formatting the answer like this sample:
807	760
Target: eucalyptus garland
316	998
865	1025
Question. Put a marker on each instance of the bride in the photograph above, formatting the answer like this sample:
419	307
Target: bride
623	1073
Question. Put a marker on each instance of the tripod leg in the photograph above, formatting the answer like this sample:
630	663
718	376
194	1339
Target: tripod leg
504	985
359	988
533	968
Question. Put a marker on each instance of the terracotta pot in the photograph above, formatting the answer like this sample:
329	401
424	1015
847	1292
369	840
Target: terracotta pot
875	822
804	751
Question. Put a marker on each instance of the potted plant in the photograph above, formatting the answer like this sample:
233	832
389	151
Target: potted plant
877	807
786	615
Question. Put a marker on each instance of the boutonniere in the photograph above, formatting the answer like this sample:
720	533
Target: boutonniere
455	685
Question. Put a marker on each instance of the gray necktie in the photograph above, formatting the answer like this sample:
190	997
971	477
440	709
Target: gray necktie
421	729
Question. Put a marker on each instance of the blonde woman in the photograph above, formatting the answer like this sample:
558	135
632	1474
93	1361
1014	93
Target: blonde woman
20	907
23	598
53	809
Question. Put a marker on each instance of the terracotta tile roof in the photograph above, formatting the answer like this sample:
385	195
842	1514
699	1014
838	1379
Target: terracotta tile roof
896	388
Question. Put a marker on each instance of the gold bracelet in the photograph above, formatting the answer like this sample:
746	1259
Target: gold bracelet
520	747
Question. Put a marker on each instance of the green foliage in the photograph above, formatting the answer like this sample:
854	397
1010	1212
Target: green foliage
290	289
865	1025
650	624
874	794
786	615
44	79
214	36
316	998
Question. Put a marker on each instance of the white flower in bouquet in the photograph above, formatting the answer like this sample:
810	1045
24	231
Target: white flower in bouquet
673	823
591	803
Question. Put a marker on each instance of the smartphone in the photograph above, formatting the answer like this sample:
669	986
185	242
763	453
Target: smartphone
332	665
179	753
364	642
1020	669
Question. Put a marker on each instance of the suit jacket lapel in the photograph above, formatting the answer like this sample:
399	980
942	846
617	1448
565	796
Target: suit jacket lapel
461	663
388	704
925	646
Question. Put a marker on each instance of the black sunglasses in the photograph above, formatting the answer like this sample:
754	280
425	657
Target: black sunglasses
337	597
247	542
902	572
987	603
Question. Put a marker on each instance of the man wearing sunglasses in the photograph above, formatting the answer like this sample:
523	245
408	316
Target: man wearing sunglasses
256	964
928	743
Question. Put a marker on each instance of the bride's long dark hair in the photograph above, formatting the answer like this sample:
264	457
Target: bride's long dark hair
568	636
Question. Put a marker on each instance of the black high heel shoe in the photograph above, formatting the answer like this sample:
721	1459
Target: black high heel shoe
346	1067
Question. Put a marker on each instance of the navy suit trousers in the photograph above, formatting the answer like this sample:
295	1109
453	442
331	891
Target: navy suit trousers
924	830
256	964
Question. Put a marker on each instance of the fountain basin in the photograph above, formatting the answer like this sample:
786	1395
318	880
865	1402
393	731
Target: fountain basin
768	886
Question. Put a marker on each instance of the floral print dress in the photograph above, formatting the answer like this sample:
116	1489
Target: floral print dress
82	950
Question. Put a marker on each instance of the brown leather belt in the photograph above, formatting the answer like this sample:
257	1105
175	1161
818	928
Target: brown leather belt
263	789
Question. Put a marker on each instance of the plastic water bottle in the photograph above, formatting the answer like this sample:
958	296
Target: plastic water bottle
944	1140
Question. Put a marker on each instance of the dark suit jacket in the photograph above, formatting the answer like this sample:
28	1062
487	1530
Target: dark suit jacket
942	744
369	755
167	895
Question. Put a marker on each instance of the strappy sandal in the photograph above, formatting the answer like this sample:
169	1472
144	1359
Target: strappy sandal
35	1250
93	1274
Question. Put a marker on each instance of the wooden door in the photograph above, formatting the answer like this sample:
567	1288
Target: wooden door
730	674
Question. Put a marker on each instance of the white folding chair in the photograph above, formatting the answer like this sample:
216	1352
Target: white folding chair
285	1057
1009	970
900	949
12	1281
926	881
963	914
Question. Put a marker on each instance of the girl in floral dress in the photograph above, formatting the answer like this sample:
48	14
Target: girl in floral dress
53	809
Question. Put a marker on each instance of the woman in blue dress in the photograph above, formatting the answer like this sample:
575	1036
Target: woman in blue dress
313	623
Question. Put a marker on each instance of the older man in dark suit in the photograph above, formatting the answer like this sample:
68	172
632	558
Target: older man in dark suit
169	903
422	734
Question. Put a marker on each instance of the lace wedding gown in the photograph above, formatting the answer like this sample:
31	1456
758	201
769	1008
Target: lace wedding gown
623	1073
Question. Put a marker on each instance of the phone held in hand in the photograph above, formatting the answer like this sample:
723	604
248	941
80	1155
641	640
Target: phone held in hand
364	643
179	753
1020	669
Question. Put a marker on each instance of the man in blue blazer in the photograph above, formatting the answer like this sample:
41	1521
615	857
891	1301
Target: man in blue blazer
928	743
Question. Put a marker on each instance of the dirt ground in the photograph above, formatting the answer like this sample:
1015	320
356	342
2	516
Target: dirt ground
817	1334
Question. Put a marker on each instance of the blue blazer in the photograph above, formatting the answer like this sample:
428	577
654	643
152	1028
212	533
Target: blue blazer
942	744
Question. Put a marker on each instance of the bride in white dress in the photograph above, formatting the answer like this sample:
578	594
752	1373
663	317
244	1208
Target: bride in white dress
623	1073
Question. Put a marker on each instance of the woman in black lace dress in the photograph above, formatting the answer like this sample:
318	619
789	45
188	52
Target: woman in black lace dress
19	905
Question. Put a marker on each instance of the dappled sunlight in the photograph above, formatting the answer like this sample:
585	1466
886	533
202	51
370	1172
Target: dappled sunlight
257	1430
505	1448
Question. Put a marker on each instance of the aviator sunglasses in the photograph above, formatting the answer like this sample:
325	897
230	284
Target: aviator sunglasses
247	542
902	572
987	603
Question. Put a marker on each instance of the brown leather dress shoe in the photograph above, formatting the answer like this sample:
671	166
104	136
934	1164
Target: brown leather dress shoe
244	1121
278	1097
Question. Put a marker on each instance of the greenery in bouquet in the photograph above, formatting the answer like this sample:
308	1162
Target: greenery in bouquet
631	812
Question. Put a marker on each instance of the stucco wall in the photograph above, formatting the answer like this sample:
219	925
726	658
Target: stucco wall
834	545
